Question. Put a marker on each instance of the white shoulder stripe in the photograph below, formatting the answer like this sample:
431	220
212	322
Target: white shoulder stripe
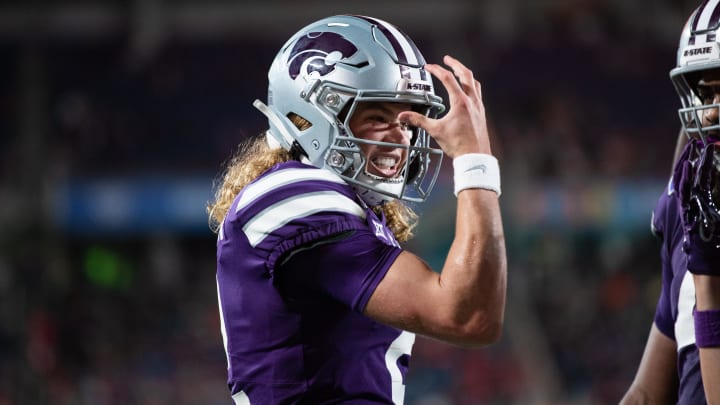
223	331
279	214
282	178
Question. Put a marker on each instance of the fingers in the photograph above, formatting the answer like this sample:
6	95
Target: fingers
458	82
478	89
463	128
414	119
685	180
687	152
448	80
704	173
683	173
464	75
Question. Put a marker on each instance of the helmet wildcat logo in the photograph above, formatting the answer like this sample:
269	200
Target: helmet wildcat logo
319	52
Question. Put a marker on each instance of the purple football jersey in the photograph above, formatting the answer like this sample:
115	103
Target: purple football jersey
673	315
298	257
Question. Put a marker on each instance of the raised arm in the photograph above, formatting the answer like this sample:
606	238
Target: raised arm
697	185
464	303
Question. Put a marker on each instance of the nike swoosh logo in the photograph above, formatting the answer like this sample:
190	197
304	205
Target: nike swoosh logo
482	168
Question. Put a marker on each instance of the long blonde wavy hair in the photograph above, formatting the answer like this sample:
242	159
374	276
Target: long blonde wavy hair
255	156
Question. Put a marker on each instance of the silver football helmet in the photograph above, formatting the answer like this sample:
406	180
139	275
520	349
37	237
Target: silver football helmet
323	72
698	51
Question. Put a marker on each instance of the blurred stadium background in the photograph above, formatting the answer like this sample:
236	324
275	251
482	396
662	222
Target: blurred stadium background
115	117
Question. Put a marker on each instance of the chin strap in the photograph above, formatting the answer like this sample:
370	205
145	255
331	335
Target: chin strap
370	197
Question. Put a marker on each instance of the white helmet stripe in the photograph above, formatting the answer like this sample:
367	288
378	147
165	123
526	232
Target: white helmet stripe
406	46
407	52
706	16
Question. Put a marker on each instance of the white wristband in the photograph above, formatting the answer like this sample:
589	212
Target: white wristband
476	170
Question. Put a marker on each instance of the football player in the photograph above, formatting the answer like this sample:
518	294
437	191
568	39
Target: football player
681	362
319	302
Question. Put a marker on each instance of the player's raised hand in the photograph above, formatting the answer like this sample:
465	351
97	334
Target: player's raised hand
701	218
463	129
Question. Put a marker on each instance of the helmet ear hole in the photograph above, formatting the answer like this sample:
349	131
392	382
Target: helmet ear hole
300	122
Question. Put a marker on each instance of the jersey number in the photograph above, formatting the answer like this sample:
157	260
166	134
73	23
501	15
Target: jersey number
402	345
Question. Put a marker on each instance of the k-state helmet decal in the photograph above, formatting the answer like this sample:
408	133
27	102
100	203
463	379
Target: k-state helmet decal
319	52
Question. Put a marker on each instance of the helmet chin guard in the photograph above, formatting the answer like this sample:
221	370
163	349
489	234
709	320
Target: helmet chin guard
323	72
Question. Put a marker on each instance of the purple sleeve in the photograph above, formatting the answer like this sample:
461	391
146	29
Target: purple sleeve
663	311
347	268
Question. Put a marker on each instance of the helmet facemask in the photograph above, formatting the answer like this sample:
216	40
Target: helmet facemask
419	170
693	108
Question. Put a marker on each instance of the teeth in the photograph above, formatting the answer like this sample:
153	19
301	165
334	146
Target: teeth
385	162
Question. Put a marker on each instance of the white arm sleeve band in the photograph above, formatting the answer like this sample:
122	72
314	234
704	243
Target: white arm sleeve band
476	170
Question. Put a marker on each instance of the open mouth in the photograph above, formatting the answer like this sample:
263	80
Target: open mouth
384	165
